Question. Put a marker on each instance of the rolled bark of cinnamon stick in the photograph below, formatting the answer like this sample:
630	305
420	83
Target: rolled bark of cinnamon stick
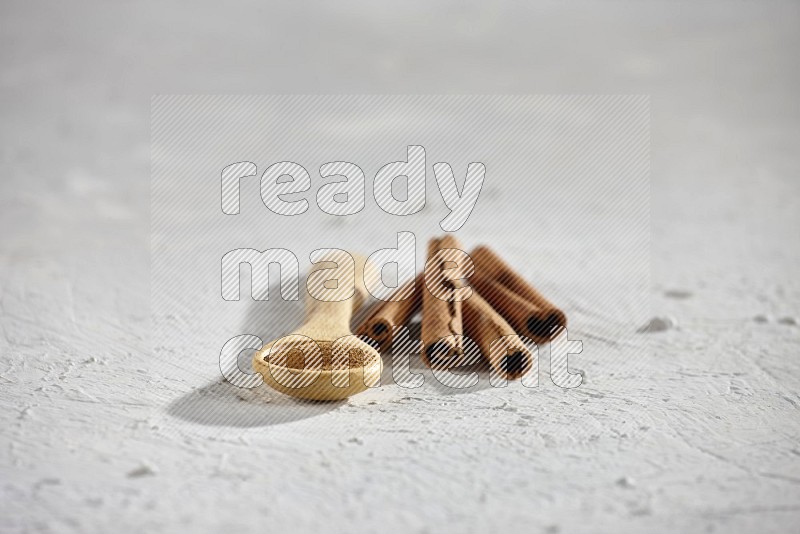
381	324
499	343
442	328
525	308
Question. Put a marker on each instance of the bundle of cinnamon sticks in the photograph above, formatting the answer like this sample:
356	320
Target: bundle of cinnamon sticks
478	295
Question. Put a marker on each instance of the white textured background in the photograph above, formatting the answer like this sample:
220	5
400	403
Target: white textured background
99	432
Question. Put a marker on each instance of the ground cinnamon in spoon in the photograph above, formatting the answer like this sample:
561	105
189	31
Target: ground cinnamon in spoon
295	358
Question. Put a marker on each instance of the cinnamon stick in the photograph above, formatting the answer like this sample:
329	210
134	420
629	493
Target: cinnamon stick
442	327
525	308
499	343
380	324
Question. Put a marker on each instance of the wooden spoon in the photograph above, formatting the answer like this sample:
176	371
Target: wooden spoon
323	360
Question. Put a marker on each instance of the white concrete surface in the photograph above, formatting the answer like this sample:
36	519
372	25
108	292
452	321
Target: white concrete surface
102	432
